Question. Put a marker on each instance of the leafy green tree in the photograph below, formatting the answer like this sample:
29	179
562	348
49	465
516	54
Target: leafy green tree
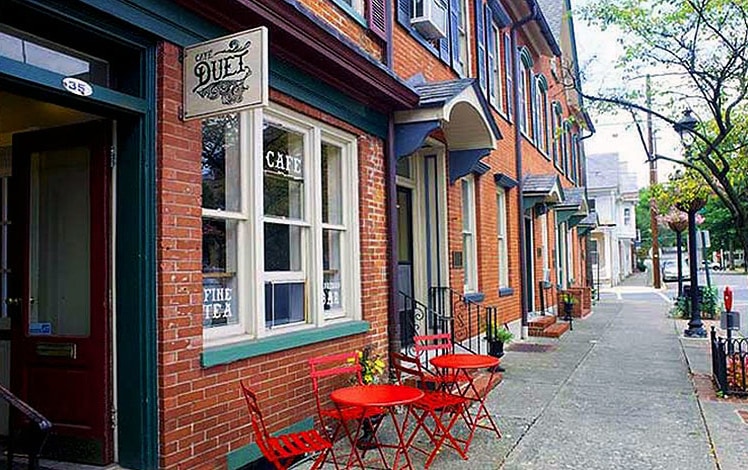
702	48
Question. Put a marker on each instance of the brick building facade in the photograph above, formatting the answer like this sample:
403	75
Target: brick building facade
426	178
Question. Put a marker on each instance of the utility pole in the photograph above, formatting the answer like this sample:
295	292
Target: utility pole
652	183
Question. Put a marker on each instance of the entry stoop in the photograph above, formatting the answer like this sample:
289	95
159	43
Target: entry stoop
546	326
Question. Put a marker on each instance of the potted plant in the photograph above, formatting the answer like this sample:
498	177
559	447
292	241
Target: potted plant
567	298
497	337
372	368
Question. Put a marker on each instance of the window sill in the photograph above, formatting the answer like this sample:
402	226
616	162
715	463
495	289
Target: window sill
506	291
225	354
475	297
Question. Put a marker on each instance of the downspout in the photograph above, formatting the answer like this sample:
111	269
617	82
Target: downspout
518	156
393	320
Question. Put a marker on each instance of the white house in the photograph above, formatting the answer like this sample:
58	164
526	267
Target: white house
613	193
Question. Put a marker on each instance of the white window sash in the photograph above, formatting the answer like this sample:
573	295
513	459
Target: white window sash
251	276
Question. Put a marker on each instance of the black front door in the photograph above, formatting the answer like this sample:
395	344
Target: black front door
406	307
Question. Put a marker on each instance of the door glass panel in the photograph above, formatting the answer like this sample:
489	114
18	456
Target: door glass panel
60	243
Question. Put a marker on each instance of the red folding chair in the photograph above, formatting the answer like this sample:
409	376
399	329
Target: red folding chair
436	345
332	418
435	404
282	450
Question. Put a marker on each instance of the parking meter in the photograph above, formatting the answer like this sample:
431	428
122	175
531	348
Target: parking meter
728	299
730	320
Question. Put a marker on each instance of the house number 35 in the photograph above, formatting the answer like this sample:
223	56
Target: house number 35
77	87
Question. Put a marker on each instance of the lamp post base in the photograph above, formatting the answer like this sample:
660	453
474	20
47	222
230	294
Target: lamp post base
698	332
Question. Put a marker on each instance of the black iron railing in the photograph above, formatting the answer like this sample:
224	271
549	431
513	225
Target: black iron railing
31	428
730	364
470	317
417	318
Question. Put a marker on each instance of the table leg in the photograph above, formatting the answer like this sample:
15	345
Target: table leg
482	411
401	447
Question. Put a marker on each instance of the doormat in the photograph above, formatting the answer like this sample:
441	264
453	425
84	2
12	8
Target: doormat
530	347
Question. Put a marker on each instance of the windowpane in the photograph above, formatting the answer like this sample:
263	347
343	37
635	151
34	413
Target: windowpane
332	185
466	201
284	303
502	242
283	165
282	247
220	163
23	47
331	267
403	167
220	305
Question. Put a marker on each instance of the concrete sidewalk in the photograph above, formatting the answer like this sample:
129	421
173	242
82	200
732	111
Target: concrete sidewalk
614	393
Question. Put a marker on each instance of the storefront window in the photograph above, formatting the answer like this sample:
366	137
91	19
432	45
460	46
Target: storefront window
280	218
221	193
219	273
220	163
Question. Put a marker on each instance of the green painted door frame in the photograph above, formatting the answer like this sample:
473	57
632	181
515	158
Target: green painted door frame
135	256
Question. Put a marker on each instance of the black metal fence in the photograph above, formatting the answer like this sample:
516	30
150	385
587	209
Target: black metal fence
730	364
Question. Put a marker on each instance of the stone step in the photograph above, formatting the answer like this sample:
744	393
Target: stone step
538	324
553	331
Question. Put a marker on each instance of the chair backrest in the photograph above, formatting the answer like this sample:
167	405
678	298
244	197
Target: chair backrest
342	364
439	343
258	424
407	367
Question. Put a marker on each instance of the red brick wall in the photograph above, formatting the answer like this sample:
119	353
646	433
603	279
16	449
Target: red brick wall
345	24
202	412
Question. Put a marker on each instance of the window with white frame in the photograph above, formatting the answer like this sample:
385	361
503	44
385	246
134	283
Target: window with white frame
565	147
469	248
507	56
280	217
542	111
626	216
544	246
524	93
498	81
501	236
557	134
462	38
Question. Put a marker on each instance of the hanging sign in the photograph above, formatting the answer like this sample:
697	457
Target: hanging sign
227	74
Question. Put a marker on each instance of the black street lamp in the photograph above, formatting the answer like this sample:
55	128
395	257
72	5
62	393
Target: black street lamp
685	128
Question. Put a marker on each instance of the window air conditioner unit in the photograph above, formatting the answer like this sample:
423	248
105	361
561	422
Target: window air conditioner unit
430	18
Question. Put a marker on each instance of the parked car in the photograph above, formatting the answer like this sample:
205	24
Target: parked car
713	265
670	270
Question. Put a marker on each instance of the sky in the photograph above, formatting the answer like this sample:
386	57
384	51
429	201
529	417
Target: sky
615	133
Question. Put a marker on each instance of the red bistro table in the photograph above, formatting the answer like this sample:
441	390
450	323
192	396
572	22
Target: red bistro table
381	396
467	364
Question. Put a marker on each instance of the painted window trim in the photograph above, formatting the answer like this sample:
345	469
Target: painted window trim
250	261
353	13
508	64
226	354
506	291
556	126
501	235
470	260
475	297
